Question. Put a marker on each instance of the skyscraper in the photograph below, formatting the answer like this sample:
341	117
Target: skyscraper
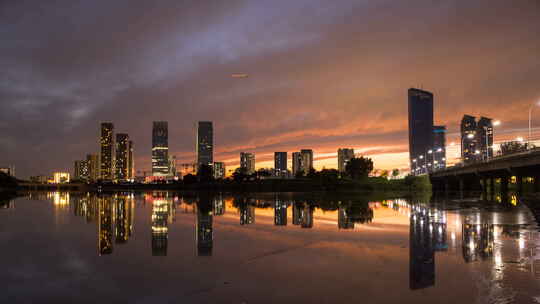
296	163
307	160
439	147
280	163
219	170
160	148
131	161
247	162
122	157
94	166
205	143
107	151
344	155
81	171
469	139
420	106
485	137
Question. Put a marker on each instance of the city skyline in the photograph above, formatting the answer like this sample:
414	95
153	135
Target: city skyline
346	79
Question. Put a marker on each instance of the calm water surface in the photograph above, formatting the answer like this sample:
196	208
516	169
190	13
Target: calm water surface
163	247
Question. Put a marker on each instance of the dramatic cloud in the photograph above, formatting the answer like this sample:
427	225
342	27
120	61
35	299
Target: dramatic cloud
322	74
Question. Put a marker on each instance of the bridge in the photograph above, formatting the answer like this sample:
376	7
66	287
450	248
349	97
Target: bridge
481	175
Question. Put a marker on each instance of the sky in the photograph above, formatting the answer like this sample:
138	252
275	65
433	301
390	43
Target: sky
322	75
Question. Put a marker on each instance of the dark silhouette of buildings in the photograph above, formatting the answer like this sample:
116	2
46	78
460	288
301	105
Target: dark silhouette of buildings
420	107
205	144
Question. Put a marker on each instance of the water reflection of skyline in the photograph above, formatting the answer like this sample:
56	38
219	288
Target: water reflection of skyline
475	235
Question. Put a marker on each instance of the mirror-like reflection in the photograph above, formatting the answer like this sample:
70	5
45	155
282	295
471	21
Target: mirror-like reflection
497	240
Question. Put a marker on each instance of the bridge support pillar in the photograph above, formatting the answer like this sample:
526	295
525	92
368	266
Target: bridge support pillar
504	186
492	188
519	179
537	183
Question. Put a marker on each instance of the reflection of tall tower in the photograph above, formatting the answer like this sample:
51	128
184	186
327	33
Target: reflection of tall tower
422	255
307	217
124	219
280	213
204	235
219	205
247	214
296	213
160	148
105	225
477	240
160	214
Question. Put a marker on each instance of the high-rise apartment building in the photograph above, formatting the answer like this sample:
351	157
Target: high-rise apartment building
280	163
160	148
219	170
344	155
420	107
82	170
439	147
205	143
307	160
131	161
296	162
247	162
485	138
172	166
122	157
469	145
107	151
94	166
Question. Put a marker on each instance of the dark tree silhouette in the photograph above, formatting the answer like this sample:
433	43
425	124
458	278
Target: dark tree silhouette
205	174
358	168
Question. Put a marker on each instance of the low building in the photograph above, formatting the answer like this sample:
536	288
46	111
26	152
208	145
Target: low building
219	170
9	170
61	177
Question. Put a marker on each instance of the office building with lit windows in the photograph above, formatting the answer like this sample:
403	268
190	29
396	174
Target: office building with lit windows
107	151
205	143
469	145
485	138
296	163
160	149
94	167
131	161
247	162
82	170
420	108
307	160
122	157
439	147
280	163
219	170
344	155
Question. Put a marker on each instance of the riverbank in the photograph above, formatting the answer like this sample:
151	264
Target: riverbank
373	184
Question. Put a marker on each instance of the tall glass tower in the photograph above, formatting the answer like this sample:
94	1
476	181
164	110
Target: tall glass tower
160	148
420	129
122	157
205	143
